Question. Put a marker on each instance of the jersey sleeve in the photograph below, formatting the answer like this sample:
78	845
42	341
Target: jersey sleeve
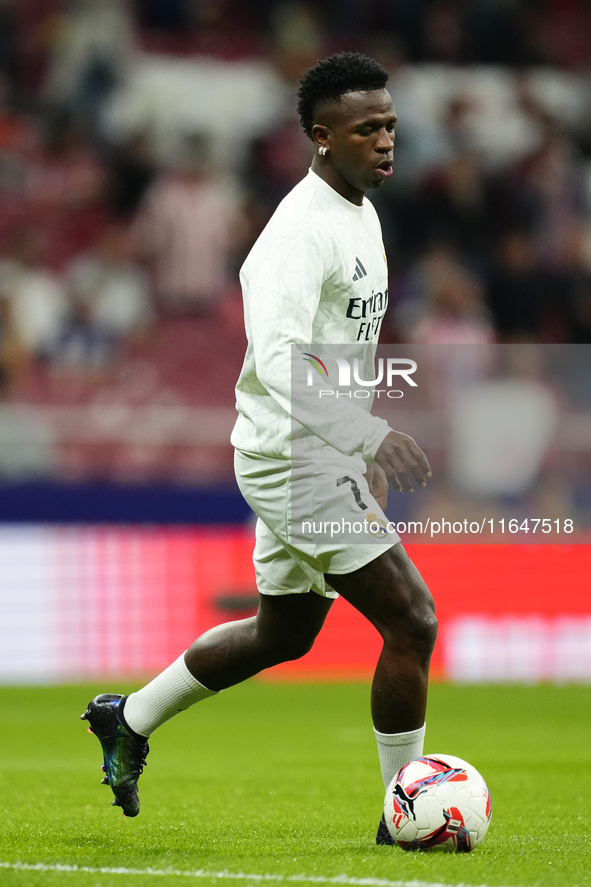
285	290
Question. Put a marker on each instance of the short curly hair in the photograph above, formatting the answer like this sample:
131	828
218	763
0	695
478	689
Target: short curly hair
334	76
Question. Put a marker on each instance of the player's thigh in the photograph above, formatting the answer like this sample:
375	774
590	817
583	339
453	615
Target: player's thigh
391	593
290	613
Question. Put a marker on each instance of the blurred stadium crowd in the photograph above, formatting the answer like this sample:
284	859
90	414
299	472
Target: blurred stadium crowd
143	146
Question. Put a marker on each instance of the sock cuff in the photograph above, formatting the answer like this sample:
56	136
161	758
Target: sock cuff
400	738
123	719
190	681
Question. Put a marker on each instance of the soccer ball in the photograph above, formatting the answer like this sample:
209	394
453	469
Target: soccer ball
438	802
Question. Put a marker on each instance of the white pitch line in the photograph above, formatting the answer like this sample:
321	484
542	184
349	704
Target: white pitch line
224	875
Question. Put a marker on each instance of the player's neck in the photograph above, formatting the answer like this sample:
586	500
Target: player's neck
329	175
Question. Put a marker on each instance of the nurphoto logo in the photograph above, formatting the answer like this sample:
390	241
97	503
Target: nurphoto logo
389	370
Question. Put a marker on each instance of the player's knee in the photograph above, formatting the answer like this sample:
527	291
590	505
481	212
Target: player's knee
422	623
295	646
285	647
411	623
414	608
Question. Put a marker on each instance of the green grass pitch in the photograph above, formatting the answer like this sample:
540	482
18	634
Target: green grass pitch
283	780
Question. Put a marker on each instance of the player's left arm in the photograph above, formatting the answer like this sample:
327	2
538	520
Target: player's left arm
400	457
378	484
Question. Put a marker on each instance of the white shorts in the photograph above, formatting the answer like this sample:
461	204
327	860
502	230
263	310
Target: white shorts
285	563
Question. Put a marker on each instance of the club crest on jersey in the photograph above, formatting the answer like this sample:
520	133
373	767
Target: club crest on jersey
376	526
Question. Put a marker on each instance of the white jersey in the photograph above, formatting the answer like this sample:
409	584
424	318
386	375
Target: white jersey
317	274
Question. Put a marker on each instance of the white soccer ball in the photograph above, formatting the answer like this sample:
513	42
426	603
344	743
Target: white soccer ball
438	802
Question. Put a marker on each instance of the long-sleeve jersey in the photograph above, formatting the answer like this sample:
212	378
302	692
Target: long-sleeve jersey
316	275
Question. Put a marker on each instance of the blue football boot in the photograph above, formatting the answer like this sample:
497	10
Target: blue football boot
124	752
383	836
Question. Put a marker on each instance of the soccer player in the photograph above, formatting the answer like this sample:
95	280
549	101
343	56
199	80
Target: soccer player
312	277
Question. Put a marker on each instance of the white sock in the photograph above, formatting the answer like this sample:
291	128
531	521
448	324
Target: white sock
174	690
397	749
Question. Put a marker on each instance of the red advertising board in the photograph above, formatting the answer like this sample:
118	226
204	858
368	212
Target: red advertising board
124	601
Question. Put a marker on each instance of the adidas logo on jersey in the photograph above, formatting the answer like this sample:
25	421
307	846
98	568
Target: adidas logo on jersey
359	270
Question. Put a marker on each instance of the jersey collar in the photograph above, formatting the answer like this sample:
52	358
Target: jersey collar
333	196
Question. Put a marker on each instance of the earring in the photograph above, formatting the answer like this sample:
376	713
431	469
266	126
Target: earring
323	150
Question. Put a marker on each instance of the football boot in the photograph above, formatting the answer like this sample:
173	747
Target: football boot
124	752
383	836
